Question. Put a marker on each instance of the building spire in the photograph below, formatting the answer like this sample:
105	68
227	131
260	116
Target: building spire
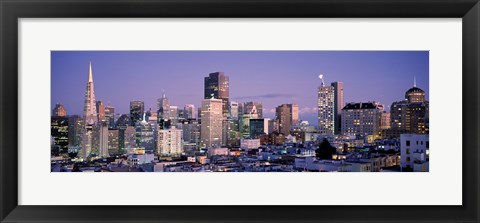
414	81
163	95
90	77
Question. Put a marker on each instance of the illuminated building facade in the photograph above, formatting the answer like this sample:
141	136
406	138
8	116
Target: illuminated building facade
411	114
284	118
361	119
217	84
59	132
163	107
170	142
326	108
212	119
89	116
59	110
137	108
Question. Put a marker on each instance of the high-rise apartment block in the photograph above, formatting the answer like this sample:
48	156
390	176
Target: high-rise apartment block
170	142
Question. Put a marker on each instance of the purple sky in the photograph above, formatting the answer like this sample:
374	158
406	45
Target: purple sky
272	77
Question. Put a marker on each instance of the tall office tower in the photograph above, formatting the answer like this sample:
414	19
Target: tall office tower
102	134
191	131
240	111
217	85
233	110
163	107
113	142
169	142
190	111
233	133
129	138
338	106
59	110
137	108
294	111
89	116
411	114
145	135
75	123
211	127
100	106
361	119
253	107
110	116
257	127
59	132
284	118
326	108
272	126
173	115
245	124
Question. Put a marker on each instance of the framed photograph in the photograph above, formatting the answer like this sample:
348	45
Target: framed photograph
227	111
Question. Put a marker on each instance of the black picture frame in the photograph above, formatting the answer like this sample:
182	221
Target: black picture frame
11	11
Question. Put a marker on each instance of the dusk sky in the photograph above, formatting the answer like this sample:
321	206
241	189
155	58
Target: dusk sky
271	77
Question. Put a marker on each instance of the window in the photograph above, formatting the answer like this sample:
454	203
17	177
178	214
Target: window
408	142
427	144
408	159
408	151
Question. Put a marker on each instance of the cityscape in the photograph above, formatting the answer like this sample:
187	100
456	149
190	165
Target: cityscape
259	111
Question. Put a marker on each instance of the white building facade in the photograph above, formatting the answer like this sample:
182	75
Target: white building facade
414	152
169	142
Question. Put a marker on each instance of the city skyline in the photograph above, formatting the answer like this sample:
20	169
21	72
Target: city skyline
270	77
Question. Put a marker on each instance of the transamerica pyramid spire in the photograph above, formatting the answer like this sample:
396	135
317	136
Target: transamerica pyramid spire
89	109
90	78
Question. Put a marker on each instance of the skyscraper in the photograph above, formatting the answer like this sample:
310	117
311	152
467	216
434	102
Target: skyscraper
75	128
101	143
113	142
137	109
338	105
284	118
234	110
59	129
89	116
173	115
217	85
211	126
145	135
294	111
190	111
110	116
100	106
59	110
257	127
326	108
163	107
253	107
90	108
